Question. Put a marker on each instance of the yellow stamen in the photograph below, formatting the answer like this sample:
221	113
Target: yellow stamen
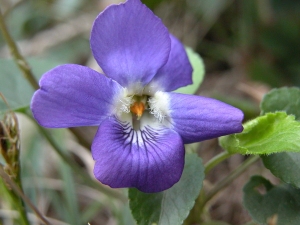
137	108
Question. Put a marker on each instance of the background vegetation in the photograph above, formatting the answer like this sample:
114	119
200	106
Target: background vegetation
248	47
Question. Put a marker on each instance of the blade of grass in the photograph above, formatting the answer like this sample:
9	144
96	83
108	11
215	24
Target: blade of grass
69	194
19	192
10	197
90	212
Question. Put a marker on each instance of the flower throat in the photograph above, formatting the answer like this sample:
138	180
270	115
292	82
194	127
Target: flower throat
137	108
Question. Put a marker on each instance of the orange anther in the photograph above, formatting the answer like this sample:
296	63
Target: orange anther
137	108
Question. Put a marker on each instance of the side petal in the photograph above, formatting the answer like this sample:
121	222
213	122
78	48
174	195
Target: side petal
198	118
150	159
177	72
130	43
72	95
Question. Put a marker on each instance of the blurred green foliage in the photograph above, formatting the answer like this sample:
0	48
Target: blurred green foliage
261	37
258	37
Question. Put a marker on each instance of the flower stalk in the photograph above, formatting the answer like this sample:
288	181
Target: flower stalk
228	180
196	213
232	176
216	160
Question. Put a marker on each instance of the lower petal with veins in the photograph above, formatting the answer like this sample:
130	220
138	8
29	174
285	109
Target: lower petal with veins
150	159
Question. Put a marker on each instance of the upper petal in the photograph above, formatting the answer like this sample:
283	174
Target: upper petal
150	159
72	95
130	43
177	72
198	118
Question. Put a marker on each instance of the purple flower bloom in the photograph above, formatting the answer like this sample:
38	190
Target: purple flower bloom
142	125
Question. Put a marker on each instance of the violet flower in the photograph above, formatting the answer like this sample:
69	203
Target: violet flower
142	125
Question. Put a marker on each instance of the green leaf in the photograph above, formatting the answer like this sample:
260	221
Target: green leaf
15	88
281	201
198	73
282	99
125	217
69	196
286	165
172	206
271	133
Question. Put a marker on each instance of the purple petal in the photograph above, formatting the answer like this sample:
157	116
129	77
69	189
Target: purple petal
151	160
177	72
130	43
198	118
72	95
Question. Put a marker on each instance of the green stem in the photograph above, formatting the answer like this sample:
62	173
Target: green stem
195	215
18	192
19	59
232	176
215	161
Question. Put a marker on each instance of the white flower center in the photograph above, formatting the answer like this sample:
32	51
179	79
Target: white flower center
159	105
150	109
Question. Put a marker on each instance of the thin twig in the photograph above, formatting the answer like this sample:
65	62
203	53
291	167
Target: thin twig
18	191
19	59
60	33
